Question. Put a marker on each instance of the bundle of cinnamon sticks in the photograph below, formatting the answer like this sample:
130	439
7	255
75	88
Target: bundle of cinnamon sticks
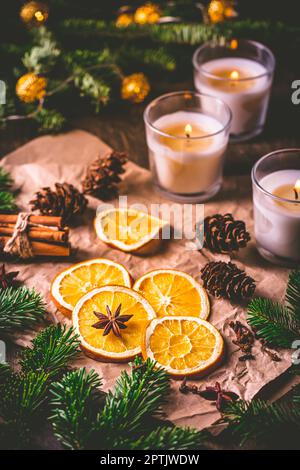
47	235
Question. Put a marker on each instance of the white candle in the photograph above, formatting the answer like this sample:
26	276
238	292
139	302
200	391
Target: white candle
187	164
277	221
243	84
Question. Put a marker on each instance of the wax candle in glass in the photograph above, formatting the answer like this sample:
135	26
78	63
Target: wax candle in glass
187	135
239	73
276	200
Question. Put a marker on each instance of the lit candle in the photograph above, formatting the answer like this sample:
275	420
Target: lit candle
277	215
240	80
186	150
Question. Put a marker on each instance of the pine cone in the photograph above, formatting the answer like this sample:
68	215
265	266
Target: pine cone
102	177
66	201
227	280
223	234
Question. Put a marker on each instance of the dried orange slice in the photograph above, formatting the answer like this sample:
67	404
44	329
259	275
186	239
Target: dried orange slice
95	305
72	283
129	230
183	346
173	292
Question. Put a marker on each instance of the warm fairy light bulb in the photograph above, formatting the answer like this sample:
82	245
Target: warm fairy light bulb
234	44
39	16
297	189
234	75
188	130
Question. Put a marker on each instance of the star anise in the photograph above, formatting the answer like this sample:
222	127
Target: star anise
111	321
7	279
216	393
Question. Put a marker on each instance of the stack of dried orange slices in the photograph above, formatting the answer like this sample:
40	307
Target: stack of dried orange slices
163	316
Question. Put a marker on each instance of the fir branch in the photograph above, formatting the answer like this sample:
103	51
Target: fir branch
293	294
93	87
137	397
42	57
5	371
7	202
256	419
155	57
74	404
278	324
166	437
6	181
20	309
22	396
49	120
273	322
52	349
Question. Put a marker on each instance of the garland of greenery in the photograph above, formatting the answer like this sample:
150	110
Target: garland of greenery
85	61
7	199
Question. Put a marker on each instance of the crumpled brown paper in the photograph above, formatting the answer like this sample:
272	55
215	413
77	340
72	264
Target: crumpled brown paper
46	160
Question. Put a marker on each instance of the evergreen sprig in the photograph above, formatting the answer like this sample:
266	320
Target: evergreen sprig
278	324
51	351
24	395
256	419
74	404
170	438
125	421
6	181
7	202
136	396
20	308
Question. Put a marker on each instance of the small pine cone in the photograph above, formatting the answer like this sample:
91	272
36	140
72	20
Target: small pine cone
227	280
65	201
102	177
223	234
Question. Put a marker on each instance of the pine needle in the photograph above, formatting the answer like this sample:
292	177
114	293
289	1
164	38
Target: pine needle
293	294
273	322
6	181
5	371
278	324
166	437
22	395
256	419
74	415
20	309
137	397
7	202
51	350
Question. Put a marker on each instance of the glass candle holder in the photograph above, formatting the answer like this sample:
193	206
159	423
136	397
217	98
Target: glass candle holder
240	73
276	202
187	135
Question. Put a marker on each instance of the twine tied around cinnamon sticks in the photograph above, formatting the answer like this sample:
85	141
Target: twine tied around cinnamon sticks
27	235
19	243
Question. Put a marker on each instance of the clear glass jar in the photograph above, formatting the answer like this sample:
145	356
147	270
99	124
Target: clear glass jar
187	135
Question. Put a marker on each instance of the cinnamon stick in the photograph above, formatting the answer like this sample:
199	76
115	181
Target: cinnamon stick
49	221
45	249
39	233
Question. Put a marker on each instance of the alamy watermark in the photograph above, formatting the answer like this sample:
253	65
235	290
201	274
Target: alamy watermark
296	354
182	222
2	92
2	352
296	94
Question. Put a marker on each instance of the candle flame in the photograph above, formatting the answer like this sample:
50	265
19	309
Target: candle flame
297	189
297	185
188	130
234	75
